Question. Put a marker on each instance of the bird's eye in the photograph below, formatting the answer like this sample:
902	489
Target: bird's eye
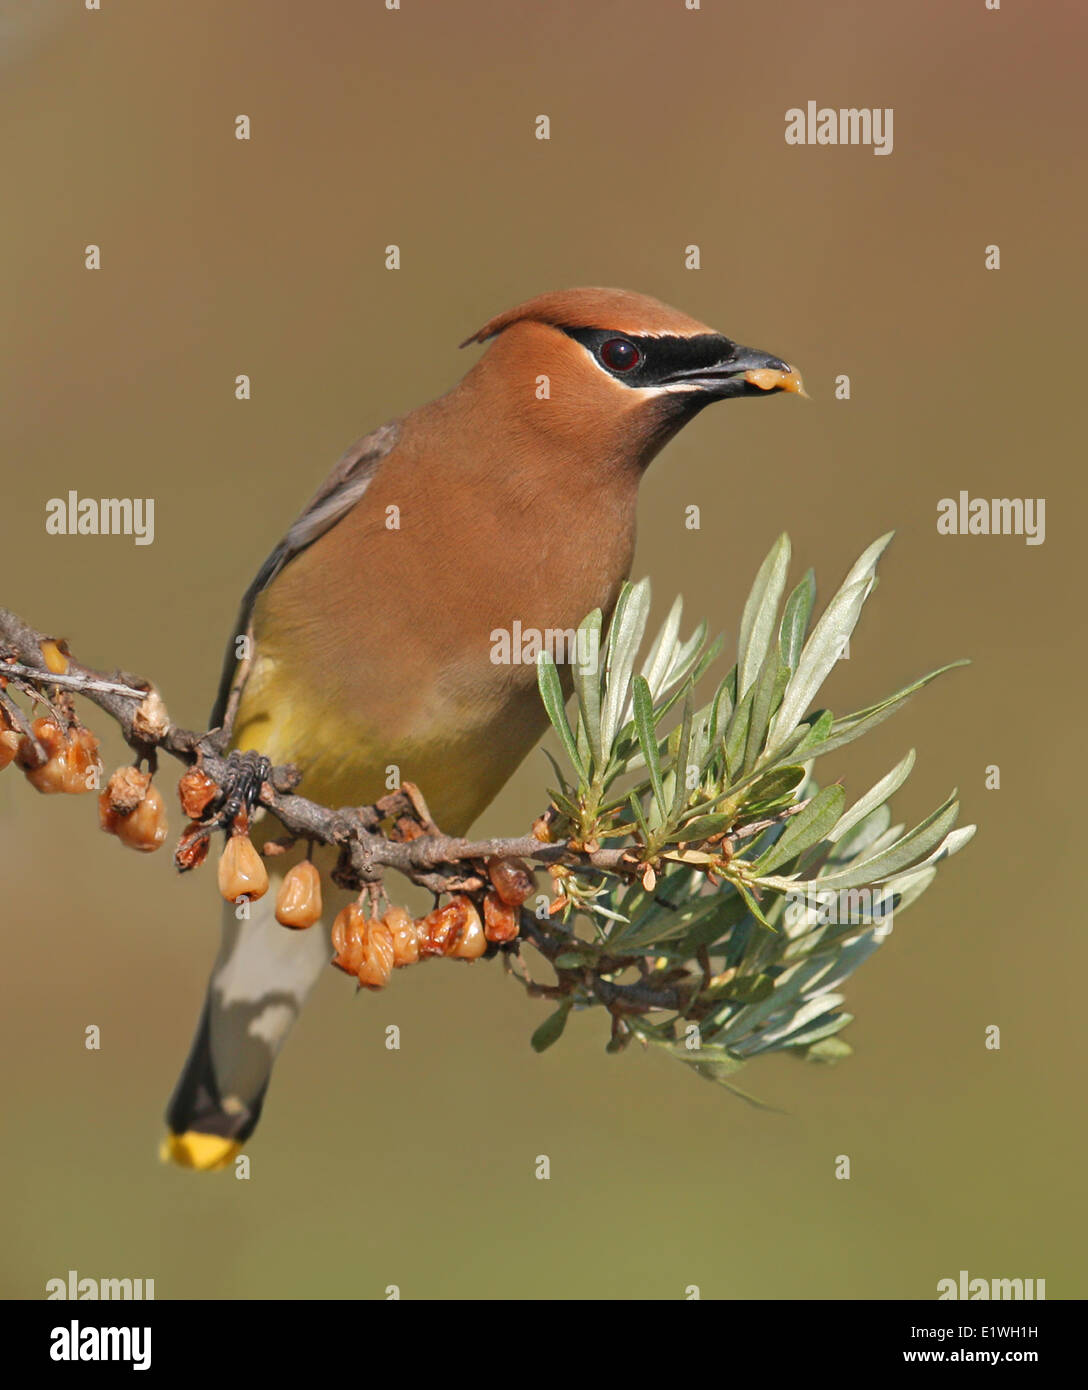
618	355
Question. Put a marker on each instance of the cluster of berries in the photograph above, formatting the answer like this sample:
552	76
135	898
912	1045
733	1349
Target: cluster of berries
370	948
60	755
131	807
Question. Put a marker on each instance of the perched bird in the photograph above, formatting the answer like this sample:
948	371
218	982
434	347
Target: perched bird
510	498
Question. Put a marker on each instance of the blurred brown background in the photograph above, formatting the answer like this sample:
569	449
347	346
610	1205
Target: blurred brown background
416	127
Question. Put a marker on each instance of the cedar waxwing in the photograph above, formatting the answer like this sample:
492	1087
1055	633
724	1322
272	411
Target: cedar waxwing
371	624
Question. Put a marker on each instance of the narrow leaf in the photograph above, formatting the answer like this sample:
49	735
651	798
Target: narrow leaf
795	618
551	1030
802	831
904	853
876	796
683	751
824	647
587	686
551	692
647	738
760	612
625	634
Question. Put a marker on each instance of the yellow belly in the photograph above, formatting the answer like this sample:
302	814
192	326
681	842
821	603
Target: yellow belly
458	754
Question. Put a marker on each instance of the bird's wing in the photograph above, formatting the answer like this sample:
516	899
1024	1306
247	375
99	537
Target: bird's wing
337	495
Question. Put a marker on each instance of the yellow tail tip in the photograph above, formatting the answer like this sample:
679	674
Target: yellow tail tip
204	1152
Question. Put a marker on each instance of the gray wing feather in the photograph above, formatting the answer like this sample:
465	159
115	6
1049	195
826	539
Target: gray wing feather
337	495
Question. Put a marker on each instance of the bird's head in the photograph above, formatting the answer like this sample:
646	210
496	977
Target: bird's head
615	369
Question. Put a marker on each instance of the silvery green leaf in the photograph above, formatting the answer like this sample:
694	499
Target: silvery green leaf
853	726
903	694
683	753
812	1011
647	738
795	618
952	843
856	841
720	708
654	923
656	666
907	888
581	740
828	1051
714	925
624	636
750	989
773	787
821	1029
904	853
683	659
760	613
696	662
824	647
812	738
770	683
799	982
702	827
551	692
587	687
882	842
558	772
607	912
700	744
737	733
862	943
808	828
712	1063
875	797
752	903
769	1039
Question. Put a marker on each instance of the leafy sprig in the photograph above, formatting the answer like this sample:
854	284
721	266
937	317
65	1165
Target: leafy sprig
741	867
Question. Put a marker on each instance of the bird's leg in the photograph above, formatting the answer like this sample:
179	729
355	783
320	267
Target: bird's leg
242	784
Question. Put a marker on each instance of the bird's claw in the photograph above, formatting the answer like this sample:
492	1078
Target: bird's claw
246	772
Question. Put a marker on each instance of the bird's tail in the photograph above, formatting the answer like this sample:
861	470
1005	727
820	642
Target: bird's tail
258	985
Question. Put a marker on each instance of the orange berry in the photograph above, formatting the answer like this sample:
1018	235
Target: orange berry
195	790
144	828
9	745
348	938
132	809
242	873
511	879
122	794
48	777
500	919
363	946
376	965
453	930
298	902
81	760
54	658
405	936
471	943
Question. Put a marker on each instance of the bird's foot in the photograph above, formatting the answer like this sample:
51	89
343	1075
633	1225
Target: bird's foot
246	772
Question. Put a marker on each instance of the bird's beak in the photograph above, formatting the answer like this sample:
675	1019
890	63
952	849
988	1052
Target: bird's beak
744	371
